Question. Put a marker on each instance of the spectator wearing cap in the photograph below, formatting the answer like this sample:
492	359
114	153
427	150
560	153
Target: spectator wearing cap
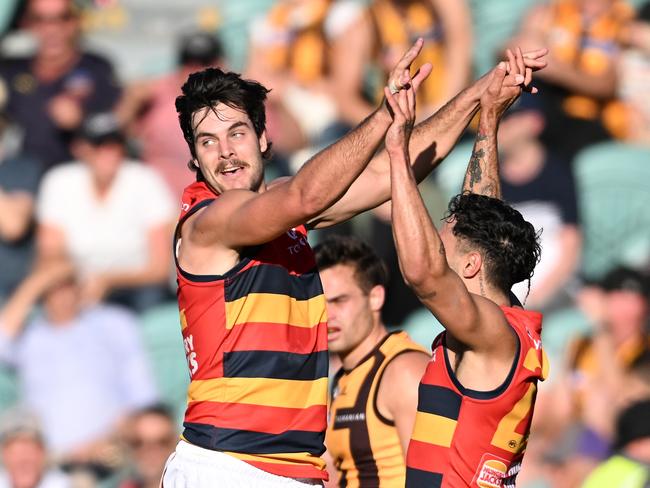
82	370
147	110
24	454
50	92
111	216
629	467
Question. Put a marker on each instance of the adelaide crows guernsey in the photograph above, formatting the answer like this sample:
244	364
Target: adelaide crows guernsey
464	437
364	444
256	345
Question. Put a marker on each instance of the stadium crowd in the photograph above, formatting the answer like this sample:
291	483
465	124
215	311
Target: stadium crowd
93	164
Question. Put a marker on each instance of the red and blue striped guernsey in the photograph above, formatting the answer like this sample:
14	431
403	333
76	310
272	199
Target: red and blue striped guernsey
256	346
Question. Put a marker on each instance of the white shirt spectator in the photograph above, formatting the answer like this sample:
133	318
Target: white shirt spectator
108	234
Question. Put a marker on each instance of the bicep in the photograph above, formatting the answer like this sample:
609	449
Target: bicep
459	311
240	218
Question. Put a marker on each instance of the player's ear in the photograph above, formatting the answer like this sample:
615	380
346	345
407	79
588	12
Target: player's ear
377	296
264	143
472	265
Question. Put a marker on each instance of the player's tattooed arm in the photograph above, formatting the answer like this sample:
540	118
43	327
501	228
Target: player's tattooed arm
482	175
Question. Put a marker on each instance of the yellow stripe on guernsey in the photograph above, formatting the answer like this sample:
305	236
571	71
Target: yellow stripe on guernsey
276	309
284	458
434	429
260	391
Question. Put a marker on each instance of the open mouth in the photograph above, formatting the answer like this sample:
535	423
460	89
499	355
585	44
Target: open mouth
333	332
231	171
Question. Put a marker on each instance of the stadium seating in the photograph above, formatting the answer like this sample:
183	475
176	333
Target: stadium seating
161	336
614	198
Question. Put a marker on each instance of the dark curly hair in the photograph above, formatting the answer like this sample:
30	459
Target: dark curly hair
509	244
369	269
211	86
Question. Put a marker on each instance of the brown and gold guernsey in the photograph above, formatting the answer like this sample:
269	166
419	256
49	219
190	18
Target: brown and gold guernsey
256	345
364	444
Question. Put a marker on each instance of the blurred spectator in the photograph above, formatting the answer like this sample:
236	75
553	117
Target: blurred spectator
147	108
634	74
111	216
629	467
301	50
580	81
540	185
606	371
619	310
18	184
447	30
152	436
82	371
24	455
50	92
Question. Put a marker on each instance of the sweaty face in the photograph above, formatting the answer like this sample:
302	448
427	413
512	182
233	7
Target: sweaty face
228	150
349	312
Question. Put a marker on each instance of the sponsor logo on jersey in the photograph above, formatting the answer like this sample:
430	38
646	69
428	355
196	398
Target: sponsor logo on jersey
491	472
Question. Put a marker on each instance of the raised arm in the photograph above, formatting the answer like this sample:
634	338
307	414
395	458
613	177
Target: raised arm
482	175
471	319
429	144
242	218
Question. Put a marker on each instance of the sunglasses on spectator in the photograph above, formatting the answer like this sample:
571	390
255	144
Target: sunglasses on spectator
51	19
139	443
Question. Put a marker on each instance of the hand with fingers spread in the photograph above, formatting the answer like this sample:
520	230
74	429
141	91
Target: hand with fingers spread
402	105
400	77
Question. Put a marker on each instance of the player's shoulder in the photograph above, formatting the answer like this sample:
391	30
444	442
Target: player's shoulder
405	366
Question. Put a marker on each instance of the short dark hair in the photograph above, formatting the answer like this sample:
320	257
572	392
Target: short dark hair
157	409
509	244
207	88
369	269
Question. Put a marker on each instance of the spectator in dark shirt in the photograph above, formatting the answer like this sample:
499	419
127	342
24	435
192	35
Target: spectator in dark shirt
541	186
18	183
50	92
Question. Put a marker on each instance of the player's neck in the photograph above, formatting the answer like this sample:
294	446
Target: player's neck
352	358
479	286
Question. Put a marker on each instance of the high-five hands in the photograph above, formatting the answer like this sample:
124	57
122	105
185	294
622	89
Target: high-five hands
402	105
400	76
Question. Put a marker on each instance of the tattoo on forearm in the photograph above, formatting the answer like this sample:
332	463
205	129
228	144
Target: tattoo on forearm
475	171
475	161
